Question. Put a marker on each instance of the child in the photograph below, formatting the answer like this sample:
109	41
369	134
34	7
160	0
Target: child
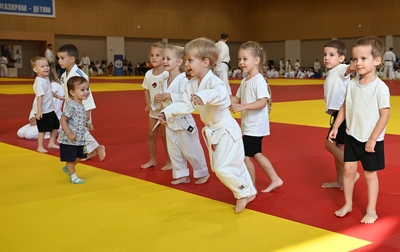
73	123
251	99
30	130
367	111
334	91
46	118
182	135
67	55
207	94
152	84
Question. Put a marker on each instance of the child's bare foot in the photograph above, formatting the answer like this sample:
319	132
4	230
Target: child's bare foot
102	152
166	167
41	150
369	218
241	203
149	164
53	146
183	180
202	180
89	156
334	184
274	184
343	211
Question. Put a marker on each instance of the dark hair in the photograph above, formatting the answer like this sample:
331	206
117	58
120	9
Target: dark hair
339	45
74	81
224	35
70	49
49	45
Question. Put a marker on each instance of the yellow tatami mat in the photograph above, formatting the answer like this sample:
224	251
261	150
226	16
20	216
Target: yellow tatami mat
41	211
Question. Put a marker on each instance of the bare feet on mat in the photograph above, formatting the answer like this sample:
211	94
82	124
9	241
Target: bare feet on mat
183	180
149	164
274	184
101	150
41	150
343	211
241	203
166	167
333	184
369	218
53	146
89	156
202	180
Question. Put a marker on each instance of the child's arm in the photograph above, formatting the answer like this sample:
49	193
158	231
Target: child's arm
259	104
351	68
39	107
64	125
235	99
147	100
384	115
339	119
58	96
89	125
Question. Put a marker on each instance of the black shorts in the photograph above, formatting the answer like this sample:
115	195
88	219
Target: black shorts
69	153
252	145
355	150
48	122
341	131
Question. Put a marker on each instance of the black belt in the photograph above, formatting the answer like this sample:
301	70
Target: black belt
389	60
227	64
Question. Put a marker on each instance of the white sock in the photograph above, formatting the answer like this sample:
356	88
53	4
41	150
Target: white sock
74	176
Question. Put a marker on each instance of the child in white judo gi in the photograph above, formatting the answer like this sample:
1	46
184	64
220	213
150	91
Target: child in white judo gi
252	101
182	135
152	84
207	94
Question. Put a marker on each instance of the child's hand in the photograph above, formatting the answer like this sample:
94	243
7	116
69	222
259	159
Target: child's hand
370	146
148	107
71	136
32	121
162	119
236	107
38	115
196	100
90	126
332	135
157	98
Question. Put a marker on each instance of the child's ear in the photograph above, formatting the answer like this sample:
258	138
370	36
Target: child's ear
72	58
378	61
341	58
206	62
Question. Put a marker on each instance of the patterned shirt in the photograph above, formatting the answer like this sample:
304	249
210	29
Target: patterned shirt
76	122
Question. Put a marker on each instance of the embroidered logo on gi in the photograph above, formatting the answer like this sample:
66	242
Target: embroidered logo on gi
154	85
190	129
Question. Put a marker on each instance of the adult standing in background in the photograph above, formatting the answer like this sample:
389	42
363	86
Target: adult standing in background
222	65
3	66
48	54
389	58
84	64
317	66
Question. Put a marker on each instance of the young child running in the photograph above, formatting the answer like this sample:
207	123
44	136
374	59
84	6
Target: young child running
73	123
67	55
334	91
182	135
252	100
367	111
153	84
207	94
46	118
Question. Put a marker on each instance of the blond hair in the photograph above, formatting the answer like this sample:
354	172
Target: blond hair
36	58
178	52
202	48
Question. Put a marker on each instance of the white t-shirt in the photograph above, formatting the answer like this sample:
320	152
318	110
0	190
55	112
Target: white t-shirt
335	86
363	103
154	83
42	87
254	122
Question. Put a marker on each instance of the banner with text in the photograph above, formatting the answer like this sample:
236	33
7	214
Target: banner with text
36	8
118	64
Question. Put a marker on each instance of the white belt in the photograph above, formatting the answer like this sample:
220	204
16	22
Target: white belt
213	133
